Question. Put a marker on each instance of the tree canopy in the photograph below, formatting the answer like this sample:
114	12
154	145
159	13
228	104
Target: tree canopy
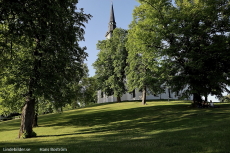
40	55
192	39
143	71
111	63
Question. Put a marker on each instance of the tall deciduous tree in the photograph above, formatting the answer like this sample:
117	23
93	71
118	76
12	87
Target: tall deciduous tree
192	38
40	50
111	63
143	70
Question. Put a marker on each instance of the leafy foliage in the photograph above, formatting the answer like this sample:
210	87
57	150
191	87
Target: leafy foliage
85	90
48	34
89	90
111	63
40	55
192	39
143	70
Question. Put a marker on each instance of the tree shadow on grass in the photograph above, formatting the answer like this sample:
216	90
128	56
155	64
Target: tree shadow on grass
128	115
103	116
135	127
10	125
145	129
143	119
199	138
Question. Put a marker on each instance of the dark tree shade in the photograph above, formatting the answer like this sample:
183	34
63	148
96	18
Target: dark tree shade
40	50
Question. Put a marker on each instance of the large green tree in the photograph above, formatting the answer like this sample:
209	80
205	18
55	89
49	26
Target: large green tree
111	63
143	70
192	37
40	51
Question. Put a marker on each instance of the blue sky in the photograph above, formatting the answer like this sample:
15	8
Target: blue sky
98	25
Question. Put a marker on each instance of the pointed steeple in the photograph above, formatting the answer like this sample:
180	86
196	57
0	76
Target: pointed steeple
112	23
112	18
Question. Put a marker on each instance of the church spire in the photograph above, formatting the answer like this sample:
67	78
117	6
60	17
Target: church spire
112	18
112	23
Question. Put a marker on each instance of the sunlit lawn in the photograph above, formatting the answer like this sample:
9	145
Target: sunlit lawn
128	127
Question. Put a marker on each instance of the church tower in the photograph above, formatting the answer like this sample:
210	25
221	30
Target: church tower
112	24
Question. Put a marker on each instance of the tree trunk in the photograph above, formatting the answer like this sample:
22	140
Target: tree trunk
118	99
35	122
144	96
28	111
197	97
27	117
169	92
206	98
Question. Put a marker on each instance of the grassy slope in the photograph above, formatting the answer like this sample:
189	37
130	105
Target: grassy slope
128	127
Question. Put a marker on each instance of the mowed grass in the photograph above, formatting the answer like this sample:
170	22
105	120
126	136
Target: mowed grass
128	127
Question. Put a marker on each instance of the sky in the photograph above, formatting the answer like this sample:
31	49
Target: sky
97	27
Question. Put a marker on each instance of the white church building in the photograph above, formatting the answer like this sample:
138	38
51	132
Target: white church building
135	95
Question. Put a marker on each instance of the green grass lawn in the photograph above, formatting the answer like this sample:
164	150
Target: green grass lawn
128	127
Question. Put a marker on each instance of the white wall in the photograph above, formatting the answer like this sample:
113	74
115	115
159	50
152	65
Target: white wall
138	96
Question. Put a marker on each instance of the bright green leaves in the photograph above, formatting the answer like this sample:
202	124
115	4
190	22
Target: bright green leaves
189	39
142	70
39	48
111	63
